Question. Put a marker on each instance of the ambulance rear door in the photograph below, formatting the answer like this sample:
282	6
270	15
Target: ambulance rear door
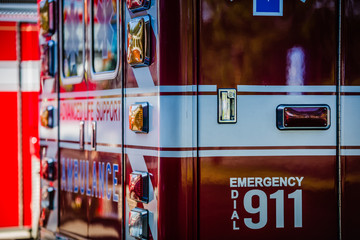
268	120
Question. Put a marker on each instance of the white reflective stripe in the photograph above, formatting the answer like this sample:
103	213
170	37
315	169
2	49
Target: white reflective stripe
30	76
262	88
256	126
35	194
143	77
350	152
9	76
137	163
207	88
271	152
256	122
350	115
350	89
48	85
15	234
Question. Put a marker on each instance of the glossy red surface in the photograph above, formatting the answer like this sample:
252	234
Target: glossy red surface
177	199
8	173
30	148
238	48
351	46
351	196
319	206
8	41
177	53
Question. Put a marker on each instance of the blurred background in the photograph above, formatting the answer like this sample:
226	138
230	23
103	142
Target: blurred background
19	141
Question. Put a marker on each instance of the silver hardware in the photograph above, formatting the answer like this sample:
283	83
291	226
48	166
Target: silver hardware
81	133
93	135
227	105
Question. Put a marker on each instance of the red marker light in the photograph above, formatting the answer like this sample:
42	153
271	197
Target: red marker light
49	169
302	117
138	5
139	186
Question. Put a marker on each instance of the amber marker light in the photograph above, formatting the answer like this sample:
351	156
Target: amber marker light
47	17
139	117
47	117
138	42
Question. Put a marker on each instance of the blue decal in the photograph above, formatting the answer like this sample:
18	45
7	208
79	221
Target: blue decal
115	170
69	175
88	190
94	181
267	7
108	170
63	174
76	176
82	177
101	180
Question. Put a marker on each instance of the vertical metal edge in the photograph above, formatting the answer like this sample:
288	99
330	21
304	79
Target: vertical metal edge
339	75
19	128
122	122
196	30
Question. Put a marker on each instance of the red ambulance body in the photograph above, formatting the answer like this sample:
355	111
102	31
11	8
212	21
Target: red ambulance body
200	119
19	144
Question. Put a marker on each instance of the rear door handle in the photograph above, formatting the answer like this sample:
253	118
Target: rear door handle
93	135
81	135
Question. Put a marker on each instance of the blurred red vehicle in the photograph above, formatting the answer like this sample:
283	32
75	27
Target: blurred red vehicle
19	142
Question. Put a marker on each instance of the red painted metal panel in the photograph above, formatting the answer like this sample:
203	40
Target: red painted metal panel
8	41
239	48
29	42
30	147
319	206
177	199
9	202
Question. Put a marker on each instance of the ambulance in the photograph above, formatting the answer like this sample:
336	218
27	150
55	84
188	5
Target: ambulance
19	142
200	119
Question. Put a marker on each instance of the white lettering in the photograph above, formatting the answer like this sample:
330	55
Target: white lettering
299	180
250	182
291	181
258	181
275	182
267	182
234	194
234	226
232	182
235	215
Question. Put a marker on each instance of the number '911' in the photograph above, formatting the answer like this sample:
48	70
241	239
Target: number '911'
262	208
